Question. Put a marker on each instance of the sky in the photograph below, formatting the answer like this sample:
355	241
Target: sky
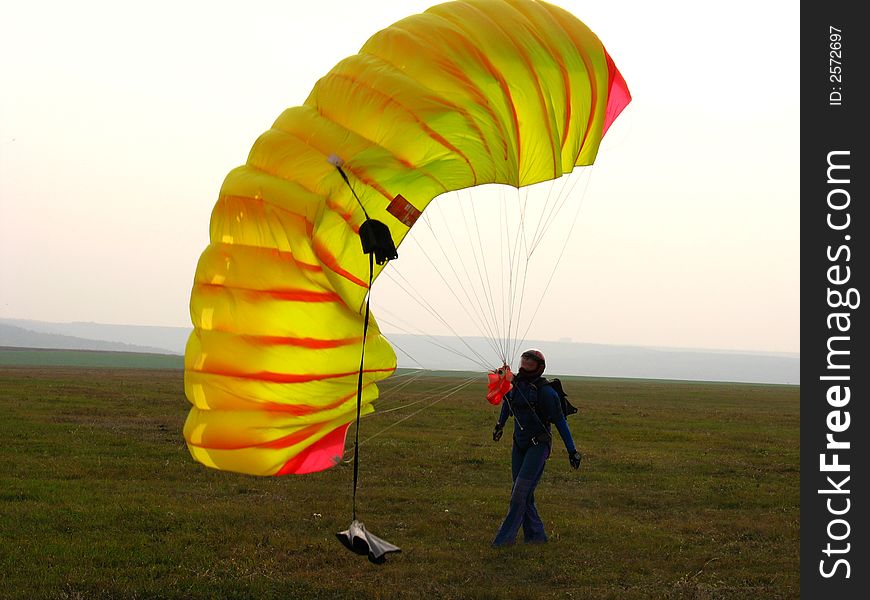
119	122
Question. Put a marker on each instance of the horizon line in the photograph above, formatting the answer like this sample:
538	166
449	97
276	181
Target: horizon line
790	353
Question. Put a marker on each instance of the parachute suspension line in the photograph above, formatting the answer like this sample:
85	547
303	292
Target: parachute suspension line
515	325
516	284
489	337
511	409
561	254
526	256
522	207
439	396
501	320
503	337
338	163
403	351
450	389
550	210
506	264
543	211
359	384
480	359
394	409
501	271
555	212
396	388
390	392
409	374
389	387
481	315
484	289
557	198
427	306
520	238
486	285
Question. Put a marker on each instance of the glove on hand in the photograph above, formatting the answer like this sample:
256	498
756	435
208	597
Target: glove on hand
575	458
497	432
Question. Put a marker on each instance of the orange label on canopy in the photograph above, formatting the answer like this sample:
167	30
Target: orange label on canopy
403	210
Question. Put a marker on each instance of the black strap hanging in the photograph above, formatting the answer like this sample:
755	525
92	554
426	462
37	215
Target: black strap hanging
375	236
378	244
359	386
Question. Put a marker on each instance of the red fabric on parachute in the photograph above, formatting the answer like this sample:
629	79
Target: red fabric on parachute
618	96
499	384
321	455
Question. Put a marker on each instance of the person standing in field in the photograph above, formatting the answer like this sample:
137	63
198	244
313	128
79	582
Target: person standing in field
534	405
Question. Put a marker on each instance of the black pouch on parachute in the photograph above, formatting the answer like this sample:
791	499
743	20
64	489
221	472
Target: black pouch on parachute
376	238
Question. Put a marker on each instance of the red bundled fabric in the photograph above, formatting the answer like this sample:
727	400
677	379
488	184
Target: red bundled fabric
499	384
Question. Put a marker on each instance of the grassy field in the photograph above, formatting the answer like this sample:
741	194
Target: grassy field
687	490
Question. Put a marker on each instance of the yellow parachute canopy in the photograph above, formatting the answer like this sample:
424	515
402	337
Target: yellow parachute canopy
468	93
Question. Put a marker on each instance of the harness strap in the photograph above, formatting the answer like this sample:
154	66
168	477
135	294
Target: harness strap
533	409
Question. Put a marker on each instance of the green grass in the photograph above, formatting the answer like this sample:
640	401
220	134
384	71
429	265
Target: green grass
687	490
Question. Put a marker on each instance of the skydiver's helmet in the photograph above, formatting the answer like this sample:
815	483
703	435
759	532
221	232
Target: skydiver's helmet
538	357
535	354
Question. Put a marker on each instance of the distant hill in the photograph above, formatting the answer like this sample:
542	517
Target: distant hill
603	360
18	337
156	339
449	353
42	357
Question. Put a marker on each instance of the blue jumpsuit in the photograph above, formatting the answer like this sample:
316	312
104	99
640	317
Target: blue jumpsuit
531	448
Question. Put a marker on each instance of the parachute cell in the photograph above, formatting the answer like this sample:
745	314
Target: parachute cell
468	93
